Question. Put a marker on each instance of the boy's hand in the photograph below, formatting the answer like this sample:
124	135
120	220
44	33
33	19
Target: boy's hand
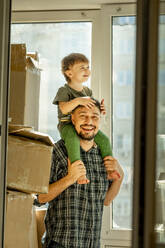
86	101
102	107
113	168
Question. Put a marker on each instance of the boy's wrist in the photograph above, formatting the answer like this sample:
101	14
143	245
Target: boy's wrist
77	101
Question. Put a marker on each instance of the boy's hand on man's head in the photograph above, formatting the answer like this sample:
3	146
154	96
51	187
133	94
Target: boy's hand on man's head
102	107
86	102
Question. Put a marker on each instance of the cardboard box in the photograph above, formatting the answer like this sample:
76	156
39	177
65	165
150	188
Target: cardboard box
24	87
29	160
40	215
20	221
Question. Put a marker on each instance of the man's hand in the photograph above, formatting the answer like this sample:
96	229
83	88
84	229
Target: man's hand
77	170
102	107
113	168
115	172
86	102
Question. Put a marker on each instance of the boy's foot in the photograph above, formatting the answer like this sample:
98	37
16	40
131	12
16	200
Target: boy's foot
113	175
83	181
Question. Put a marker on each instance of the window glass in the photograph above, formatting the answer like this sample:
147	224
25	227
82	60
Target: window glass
52	41
160	163
123	69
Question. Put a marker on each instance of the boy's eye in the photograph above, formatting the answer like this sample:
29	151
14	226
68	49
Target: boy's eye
84	68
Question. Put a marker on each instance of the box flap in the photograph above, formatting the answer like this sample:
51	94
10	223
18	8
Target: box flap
33	55
28	132
32	64
37	136
12	128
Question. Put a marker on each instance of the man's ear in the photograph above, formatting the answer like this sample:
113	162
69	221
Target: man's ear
72	118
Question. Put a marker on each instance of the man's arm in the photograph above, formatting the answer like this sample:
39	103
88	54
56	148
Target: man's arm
113	166
75	170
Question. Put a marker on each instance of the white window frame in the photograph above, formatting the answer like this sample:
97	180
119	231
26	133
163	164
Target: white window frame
110	236
100	79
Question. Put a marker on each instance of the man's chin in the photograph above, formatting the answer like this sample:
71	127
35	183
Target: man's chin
86	137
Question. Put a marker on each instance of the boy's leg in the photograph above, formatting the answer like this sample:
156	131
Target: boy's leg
104	144
105	148
72	143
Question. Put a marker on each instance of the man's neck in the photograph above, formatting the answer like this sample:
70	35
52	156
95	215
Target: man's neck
86	144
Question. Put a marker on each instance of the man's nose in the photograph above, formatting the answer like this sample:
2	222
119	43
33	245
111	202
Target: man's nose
88	120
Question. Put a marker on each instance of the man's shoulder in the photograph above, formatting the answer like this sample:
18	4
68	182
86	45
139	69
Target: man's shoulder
59	144
59	148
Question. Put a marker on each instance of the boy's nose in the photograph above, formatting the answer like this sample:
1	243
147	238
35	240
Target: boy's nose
87	70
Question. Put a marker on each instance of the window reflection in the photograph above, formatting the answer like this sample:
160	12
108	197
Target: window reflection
123	68
52	41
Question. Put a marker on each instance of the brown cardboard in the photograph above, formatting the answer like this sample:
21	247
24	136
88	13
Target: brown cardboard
29	160
24	87
40	215
20	221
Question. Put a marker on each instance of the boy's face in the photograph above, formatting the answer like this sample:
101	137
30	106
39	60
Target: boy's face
79	72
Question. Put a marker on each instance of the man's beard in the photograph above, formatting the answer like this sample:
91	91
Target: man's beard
85	137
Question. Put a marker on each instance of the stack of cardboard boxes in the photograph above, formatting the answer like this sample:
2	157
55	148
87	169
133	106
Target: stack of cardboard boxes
29	153
24	87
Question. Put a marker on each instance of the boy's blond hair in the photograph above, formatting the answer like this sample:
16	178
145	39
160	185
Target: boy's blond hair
70	60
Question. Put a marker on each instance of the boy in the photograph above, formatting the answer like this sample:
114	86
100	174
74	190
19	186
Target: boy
75	68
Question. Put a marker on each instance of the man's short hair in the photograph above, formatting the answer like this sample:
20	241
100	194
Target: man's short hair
97	104
70	60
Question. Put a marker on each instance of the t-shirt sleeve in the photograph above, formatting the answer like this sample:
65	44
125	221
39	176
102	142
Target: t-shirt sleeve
61	96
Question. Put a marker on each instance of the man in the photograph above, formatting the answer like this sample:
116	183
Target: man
74	214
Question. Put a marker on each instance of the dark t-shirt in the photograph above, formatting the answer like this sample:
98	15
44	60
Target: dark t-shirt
65	94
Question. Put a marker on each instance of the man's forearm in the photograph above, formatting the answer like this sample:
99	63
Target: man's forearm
112	191
55	189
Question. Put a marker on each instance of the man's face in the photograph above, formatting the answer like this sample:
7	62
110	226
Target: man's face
86	122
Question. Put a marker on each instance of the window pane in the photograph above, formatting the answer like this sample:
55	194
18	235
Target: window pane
52	41
123	68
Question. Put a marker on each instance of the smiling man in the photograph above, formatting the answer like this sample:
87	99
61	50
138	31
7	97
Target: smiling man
74	214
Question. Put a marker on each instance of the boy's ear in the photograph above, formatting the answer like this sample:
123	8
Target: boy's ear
68	73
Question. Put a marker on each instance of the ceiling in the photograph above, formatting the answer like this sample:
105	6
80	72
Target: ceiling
20	5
